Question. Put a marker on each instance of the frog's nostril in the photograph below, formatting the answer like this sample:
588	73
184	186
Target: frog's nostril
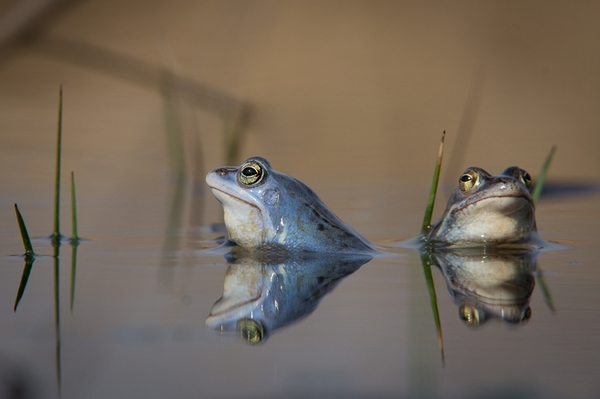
221	171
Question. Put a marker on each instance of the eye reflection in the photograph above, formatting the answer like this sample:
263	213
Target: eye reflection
251	331
469	315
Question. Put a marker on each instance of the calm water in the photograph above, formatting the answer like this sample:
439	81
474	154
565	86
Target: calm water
349	98
137	327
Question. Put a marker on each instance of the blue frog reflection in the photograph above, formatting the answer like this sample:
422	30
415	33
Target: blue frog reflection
488	284
264	293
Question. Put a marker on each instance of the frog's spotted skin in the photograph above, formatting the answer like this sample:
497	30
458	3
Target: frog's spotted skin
268	210
488	210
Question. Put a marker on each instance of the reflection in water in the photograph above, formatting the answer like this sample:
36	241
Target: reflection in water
262	294
486	285
55	257
24	279
29	260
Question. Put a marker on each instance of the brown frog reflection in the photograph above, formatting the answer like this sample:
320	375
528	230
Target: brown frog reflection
487	285
263	294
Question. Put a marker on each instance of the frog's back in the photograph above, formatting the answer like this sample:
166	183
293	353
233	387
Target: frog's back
314	227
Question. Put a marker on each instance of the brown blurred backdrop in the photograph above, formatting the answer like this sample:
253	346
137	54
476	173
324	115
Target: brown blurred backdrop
342	90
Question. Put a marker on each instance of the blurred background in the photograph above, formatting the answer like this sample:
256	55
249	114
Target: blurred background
341	89
334	93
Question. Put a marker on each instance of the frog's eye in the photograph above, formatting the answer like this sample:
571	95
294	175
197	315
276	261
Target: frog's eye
251	331
525	178
526	315
469	314
468	180
250	173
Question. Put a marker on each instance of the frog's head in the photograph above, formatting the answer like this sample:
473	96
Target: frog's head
488	209
267	209
249	195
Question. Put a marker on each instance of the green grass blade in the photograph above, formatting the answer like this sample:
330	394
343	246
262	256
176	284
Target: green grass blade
74	239
539	184
56	232
74	236
434	307
24	234
433	190
24	279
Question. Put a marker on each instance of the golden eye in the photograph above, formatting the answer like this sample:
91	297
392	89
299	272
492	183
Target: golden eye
469	315
468	180
251	331
250	173
525	178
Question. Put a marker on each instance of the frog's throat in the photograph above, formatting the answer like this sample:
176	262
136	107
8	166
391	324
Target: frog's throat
500	292
474	204
248	224
233	306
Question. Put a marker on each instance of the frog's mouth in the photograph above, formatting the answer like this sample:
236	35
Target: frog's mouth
225	199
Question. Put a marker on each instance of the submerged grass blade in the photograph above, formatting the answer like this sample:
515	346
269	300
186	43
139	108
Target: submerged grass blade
433	190
74	237
539	184
24	279
56	232
539	279
434	307
24	234
57	318
73	271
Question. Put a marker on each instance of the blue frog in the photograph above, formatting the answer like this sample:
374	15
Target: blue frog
268	210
